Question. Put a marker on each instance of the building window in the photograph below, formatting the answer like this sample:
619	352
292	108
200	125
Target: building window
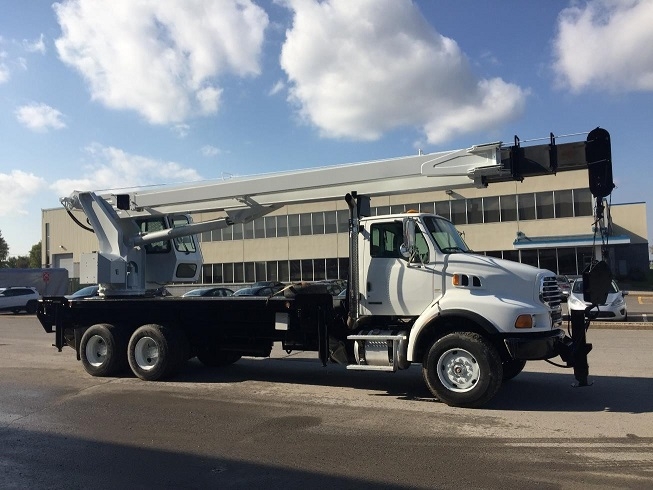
295	270
564	204
526	206
282	226
343	268
548	259
249	272
382	210
237	231
318	223
330	223
508	206
228	271
270	226
529	257
544	205
259	228
459	212
293	225
207	274
343	221
475	210
583	202
305	224
248	230
271	269
443	209
260	271
307	270
284	271
319	271
567	261
239	273
491	210
332	268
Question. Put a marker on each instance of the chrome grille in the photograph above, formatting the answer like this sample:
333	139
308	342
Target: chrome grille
551	295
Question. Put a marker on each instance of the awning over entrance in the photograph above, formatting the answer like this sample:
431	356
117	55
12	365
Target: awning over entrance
524	242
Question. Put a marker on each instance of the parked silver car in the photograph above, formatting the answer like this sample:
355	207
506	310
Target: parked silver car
613	309
17	299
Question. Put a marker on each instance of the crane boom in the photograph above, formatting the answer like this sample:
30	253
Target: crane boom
127	222
476	166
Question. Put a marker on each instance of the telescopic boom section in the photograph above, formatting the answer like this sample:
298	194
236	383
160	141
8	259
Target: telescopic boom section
118	217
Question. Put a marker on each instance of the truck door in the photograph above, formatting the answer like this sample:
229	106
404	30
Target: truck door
389	285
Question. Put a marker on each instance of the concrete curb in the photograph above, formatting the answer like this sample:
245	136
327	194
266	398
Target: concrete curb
621	326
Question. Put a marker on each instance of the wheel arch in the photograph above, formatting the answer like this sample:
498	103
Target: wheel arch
446	322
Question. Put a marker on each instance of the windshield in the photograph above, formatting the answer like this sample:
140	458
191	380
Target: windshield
445	235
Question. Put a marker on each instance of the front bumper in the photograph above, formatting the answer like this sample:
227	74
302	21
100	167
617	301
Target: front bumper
541	345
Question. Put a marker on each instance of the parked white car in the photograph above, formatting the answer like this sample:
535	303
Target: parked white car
613	309
19	299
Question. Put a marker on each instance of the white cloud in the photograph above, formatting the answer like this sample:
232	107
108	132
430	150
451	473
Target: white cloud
113	168
359	69
37	46
181	130
161	59
606	45
4	69
277	87
16	189
210	151
39	117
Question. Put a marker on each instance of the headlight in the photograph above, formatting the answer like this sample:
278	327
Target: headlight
576	302
619	301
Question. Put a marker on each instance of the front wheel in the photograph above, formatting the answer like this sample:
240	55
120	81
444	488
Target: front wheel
462	369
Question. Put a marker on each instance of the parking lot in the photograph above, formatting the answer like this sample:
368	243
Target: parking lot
287	421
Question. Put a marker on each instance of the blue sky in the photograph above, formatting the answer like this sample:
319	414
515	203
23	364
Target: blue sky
97	95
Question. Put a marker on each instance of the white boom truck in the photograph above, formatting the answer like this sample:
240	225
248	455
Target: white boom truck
416	294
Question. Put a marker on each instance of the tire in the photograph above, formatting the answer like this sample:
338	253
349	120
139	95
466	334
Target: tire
512	368
103	350
212	357
31	307
154	352
462	369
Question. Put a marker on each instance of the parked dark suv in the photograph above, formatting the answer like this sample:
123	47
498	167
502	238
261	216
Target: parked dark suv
19	299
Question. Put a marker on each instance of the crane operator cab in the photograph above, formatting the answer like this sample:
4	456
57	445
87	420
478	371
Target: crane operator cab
176	260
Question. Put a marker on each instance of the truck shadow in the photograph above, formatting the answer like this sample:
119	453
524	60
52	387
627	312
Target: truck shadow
530	391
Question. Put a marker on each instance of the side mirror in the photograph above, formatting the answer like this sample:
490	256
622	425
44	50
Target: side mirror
624	293
407	248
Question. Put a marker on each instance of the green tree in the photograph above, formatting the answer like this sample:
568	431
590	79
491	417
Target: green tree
4	250
18	262
35	256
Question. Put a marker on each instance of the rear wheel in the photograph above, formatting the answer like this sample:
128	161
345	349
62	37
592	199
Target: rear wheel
155	352
31	307
462	369
102	350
